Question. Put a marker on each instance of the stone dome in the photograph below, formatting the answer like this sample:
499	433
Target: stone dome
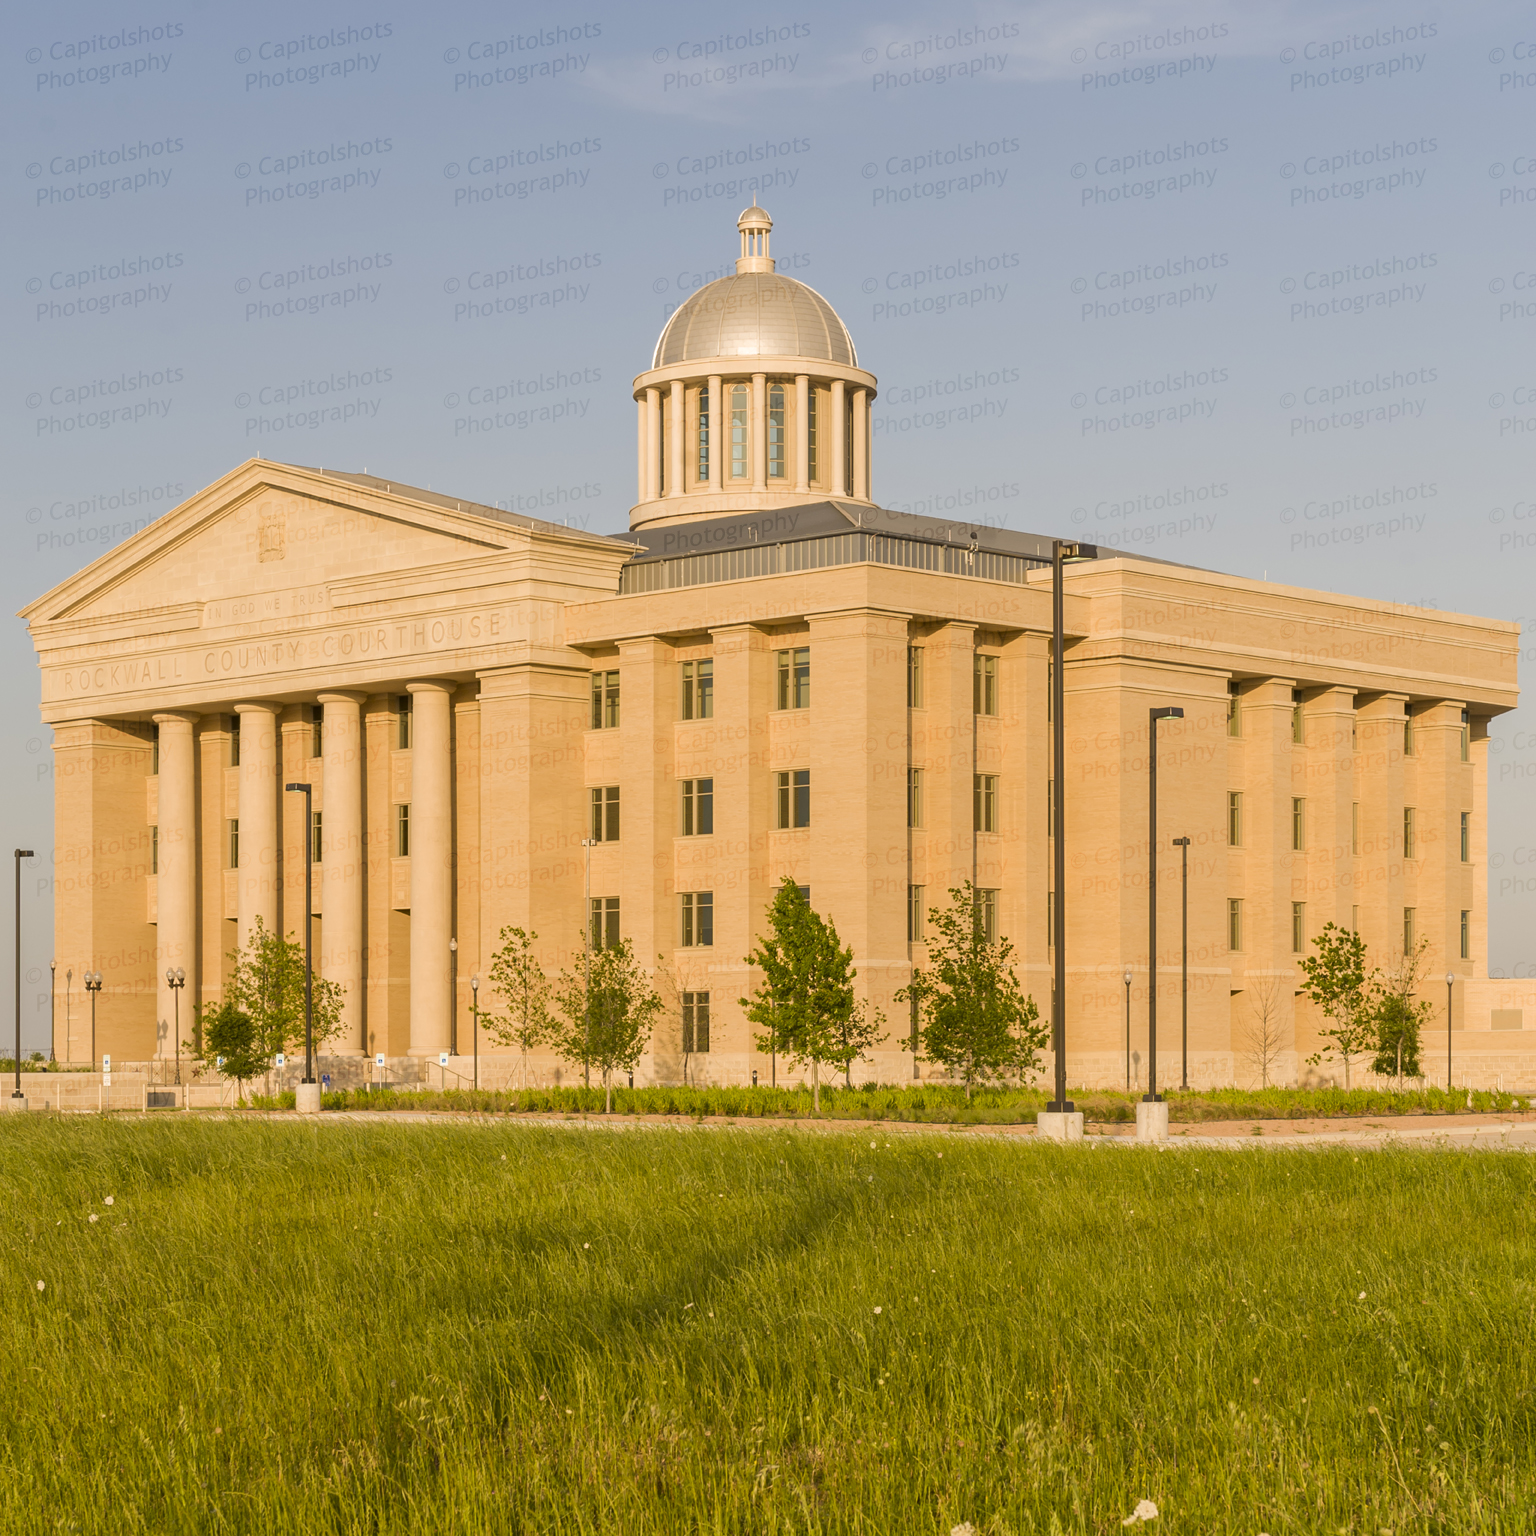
755	314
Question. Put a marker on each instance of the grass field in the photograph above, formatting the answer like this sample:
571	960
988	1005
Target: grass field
499	1327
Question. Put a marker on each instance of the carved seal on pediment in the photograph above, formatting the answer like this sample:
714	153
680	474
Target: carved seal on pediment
272	533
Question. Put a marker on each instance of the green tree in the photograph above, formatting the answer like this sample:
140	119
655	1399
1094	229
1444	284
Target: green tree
230	1036
806	1005
267	982
606	1008
518	978
1399	1017
1337	981
975	1021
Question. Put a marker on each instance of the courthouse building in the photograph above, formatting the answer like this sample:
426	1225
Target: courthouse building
511	722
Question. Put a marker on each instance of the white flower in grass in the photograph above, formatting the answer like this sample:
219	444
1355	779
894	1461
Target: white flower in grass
40	1285
107	1201
1361	1296
963	1530
878	1311
94	1216
1145	1510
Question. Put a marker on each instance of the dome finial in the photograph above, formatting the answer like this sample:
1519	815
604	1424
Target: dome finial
754	225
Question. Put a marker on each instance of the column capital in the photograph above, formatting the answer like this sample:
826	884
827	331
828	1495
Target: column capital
176	716
259	707
342	696
431	685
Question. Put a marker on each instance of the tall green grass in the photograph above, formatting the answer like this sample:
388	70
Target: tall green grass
367	1327
929	1103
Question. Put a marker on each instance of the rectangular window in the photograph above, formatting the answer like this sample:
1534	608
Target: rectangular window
1407	734
984	801
740	469
794	675
1050	808
984	685
234	843
813	439
1298	724
1298	823
1354	827
403	718
805	893
234	741
1234	717
316	716
154	850
315	842
914	677
402	831
1466	837
1354	919
986	914
701	449
1408	830
1234	818
1298	926
776	443
695	1023
1235	924
698	807
1050	919
605	813
794	798
605	700
914	914
1410	924
154	749
1466	935
698	925
1466	737
698	690
603	921
914	797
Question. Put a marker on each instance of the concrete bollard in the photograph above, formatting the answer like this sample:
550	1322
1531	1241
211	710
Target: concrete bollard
1058	1126
17	1104
307	1098
1152	1121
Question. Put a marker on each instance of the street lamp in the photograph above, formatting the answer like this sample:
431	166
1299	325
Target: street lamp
93	986
308	790
1450	981
453	997
1063	554
1152	1096
1127	1031
474	1014
1182	844
53	1011
176	980
21	853
586	1069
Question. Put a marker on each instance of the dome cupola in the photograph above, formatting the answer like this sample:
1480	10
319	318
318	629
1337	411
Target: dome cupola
754	398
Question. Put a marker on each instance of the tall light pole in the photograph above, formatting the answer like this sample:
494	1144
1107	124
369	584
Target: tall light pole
53	1011
1182	844
474	1014
308	790
1062	555
21	853
1127	1031
586	1070
1450	981
1152	1096
453	997
93	986
176	979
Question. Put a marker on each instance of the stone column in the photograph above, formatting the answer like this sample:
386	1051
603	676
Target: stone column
431	865
719	431
651	459
176	907
759	431
642	462
861	444
802	432
341	864
259	875
1380	792
837	439
676	485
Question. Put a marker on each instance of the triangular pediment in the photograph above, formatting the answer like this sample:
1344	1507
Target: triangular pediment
268	532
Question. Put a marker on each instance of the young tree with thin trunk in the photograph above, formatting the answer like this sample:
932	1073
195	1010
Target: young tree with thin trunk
231	1038
519	980
806	1006
975	1021
1264	1037
606	1009
1399	1017
1337	981
267	983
